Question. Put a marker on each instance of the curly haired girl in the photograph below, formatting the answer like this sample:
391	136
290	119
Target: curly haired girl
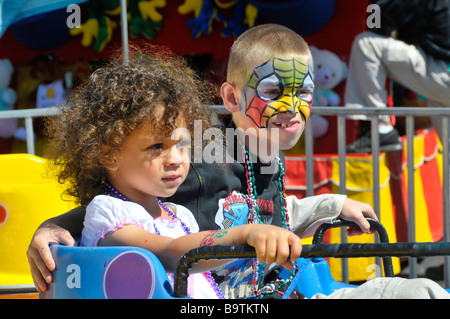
114	102
121	144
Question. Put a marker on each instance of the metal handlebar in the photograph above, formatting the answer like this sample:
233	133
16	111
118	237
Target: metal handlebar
374	224
316	250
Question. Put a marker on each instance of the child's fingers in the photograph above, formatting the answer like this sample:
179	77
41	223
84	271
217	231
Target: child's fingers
276	246
295	246
260	249
362	223
271	250
354	231
282	251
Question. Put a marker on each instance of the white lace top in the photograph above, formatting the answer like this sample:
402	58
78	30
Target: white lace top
106	213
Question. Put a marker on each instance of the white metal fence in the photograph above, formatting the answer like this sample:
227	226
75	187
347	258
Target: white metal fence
341	113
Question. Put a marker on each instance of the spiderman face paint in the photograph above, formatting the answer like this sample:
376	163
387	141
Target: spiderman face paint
278	86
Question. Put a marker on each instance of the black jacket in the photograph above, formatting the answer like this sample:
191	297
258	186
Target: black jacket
424	23
211	192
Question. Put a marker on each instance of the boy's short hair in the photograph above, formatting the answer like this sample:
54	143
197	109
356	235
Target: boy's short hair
258	45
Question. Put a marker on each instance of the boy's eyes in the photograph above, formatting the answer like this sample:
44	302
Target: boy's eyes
270	88
304	94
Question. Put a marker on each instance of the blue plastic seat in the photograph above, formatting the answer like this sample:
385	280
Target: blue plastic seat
107	273
314	276
131	272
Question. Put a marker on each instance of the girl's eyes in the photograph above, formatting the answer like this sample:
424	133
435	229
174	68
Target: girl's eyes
160	146
157	146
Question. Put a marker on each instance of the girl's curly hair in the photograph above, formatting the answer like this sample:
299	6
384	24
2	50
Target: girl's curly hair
115	101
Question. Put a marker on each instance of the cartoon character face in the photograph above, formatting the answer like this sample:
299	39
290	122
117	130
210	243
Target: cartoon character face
236	215
278	85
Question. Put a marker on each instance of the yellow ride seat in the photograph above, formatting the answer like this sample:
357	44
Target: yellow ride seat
28	196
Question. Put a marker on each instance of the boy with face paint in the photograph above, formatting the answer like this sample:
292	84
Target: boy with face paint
270	82
278	97
269	92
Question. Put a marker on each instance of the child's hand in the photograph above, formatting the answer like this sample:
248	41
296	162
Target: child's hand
39	255
356	212
274	244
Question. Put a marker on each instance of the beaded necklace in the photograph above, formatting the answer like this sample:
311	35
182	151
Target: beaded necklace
111	191
255	217
251	190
